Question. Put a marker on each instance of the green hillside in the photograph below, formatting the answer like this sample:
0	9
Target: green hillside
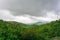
19	31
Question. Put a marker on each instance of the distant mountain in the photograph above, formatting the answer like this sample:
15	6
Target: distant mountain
40	23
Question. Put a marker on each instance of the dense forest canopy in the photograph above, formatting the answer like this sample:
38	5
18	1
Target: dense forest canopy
19	31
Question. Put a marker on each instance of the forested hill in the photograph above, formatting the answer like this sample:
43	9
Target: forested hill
19	31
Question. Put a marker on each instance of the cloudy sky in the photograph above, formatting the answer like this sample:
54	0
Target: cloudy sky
30	11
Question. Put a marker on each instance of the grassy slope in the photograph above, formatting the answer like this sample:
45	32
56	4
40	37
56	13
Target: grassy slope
20	31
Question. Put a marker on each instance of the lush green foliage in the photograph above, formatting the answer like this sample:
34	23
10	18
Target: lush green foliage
20	31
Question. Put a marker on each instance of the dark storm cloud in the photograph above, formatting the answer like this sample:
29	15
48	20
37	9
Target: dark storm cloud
30	7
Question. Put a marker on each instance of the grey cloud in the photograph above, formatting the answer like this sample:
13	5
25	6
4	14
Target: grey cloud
30	7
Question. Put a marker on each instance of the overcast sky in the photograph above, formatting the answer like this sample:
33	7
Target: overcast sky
29	11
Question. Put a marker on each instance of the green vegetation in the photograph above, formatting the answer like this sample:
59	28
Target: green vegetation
20	31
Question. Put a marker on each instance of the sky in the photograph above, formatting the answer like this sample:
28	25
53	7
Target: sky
30	11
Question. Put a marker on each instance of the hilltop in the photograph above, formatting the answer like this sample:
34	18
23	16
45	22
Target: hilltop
11	30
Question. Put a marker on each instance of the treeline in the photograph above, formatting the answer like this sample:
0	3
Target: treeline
20	31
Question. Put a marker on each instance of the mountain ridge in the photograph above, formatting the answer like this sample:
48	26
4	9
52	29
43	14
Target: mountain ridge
19	31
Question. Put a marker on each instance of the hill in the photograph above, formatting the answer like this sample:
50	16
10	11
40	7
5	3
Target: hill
10	30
